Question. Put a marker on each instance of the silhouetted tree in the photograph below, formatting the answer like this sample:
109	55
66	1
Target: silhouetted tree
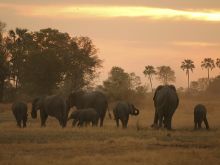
45	61
82	62
122	85
187	65
214	86
117	85
17	47
150	71
208	64
165	74
4	64
218	62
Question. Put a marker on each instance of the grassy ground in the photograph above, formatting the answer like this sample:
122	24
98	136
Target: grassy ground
109	145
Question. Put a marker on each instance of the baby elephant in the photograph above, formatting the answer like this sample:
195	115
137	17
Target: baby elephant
122	111
19	110
200	116
84	116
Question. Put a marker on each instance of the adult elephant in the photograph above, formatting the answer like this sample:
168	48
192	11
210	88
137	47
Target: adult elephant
166	102
19	110
122	110
54	106
94	99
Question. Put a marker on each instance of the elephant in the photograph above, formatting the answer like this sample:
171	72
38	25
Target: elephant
93	99
84	116
54	105
122	110
200	116
166	102
19	110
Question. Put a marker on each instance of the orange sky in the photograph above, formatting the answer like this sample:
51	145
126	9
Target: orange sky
131	34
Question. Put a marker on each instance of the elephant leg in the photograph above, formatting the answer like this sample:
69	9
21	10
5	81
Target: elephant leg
117	122
206	123
94	122
80	124
101	120
168	123
126	122
43	117
61	123
123	123
160	117
74	122
24	122
195	125
199	124
155	119
18	123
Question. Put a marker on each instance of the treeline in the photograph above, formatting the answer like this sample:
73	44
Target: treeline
48	61
44	62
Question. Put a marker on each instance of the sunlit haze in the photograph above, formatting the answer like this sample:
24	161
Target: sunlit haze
130	34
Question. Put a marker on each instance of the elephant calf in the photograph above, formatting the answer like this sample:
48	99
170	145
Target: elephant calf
19	109
84	116
200	116
122	111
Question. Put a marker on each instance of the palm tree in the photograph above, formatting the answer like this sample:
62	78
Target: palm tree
208	64
218	62
149	71
187	65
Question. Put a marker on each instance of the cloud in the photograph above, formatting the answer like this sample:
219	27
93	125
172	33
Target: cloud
196	44
92	11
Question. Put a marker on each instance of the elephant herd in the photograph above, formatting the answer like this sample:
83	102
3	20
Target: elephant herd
92	107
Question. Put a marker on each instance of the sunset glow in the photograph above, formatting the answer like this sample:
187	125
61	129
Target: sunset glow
130	34
116	11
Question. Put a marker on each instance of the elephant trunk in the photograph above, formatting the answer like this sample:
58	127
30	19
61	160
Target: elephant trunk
34	114
136	112
69	118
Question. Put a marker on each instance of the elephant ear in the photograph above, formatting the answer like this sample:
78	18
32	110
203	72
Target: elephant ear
157	90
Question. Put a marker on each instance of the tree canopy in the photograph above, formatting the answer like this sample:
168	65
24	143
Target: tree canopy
48	60
165	74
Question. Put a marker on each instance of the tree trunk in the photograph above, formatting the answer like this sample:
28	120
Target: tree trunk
150	83
188	80
208	76
1	90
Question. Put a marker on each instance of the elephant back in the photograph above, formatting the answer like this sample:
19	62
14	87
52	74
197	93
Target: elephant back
121	109
94	99
166	99
200	111
55	105
19	108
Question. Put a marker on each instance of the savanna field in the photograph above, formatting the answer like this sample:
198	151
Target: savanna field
139	144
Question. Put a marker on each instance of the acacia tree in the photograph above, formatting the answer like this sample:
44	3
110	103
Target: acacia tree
187	65
117	85
165	74
208	64
121	85
150	71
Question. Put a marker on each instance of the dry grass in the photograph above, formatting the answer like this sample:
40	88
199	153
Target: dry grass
109	145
